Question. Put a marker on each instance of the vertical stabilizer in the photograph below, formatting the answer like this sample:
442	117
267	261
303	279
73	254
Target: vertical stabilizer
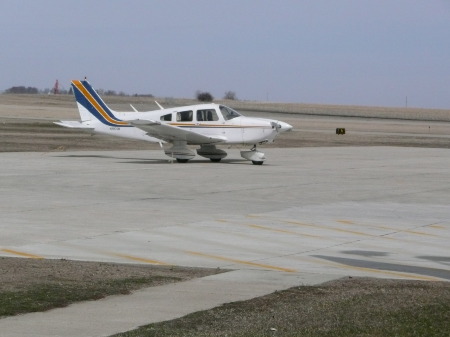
91	106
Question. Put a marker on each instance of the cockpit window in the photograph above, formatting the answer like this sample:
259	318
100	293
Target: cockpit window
185	116
228	113
207	115
166	118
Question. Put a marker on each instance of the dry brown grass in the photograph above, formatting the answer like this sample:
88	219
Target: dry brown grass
122	103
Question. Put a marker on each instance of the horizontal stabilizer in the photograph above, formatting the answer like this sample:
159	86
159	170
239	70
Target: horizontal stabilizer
73	125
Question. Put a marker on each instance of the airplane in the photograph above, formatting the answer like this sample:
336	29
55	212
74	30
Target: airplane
206	125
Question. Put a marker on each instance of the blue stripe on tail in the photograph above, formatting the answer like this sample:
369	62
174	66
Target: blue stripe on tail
92	102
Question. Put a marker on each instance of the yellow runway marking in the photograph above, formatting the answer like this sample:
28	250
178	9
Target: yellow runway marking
282	231
411	231
384	236
437	226
123	256
327	227
139	259
253	216
349	222
248	263
418	233
346	222
270	228
15	252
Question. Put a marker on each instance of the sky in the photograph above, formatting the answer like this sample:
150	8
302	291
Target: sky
349	52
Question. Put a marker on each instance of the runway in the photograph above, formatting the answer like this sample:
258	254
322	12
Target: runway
347	211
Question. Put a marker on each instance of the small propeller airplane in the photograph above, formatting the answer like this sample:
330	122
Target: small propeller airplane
206	125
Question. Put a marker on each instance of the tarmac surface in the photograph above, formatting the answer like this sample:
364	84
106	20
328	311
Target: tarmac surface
306	216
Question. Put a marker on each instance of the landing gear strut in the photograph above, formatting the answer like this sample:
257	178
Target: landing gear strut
180	152
211	152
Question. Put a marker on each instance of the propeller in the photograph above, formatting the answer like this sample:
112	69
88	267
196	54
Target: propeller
275	125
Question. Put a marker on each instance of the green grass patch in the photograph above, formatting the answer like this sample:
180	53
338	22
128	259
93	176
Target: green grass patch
46	296
358	308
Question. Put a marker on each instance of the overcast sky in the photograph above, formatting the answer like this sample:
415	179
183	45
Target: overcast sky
359	52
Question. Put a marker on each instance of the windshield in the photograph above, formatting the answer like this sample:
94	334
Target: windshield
228	113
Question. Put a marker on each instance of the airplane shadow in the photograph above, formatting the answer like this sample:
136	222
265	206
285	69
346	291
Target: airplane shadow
127	160
191	162
391	267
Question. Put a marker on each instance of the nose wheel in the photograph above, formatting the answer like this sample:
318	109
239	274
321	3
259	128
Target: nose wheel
255	156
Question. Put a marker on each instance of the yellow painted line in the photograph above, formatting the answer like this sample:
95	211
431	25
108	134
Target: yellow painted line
384	272
140	259
273	229
281	231
311	225
327	228
386	237
418	233
437	226
23	254
248	263
253	216
389	228
349	222
346	222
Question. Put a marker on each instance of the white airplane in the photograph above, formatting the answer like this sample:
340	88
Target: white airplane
206	125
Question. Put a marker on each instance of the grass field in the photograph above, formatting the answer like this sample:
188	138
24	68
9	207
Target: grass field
348	307
48	106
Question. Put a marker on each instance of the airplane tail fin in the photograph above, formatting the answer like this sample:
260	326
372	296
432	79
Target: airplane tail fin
91	106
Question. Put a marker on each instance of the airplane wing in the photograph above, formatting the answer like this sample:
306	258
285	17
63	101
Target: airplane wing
171	133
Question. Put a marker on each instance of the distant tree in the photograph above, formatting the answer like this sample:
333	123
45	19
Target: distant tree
204	96
231	95
143	95
22	90
110	93
102	92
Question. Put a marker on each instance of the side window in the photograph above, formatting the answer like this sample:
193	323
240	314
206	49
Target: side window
207	115
185	116
166	118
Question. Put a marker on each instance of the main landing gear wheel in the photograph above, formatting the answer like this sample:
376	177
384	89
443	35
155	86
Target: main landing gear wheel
179	160
211	152
257	162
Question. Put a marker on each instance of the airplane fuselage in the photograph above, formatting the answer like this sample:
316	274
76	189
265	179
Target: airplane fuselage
236	130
